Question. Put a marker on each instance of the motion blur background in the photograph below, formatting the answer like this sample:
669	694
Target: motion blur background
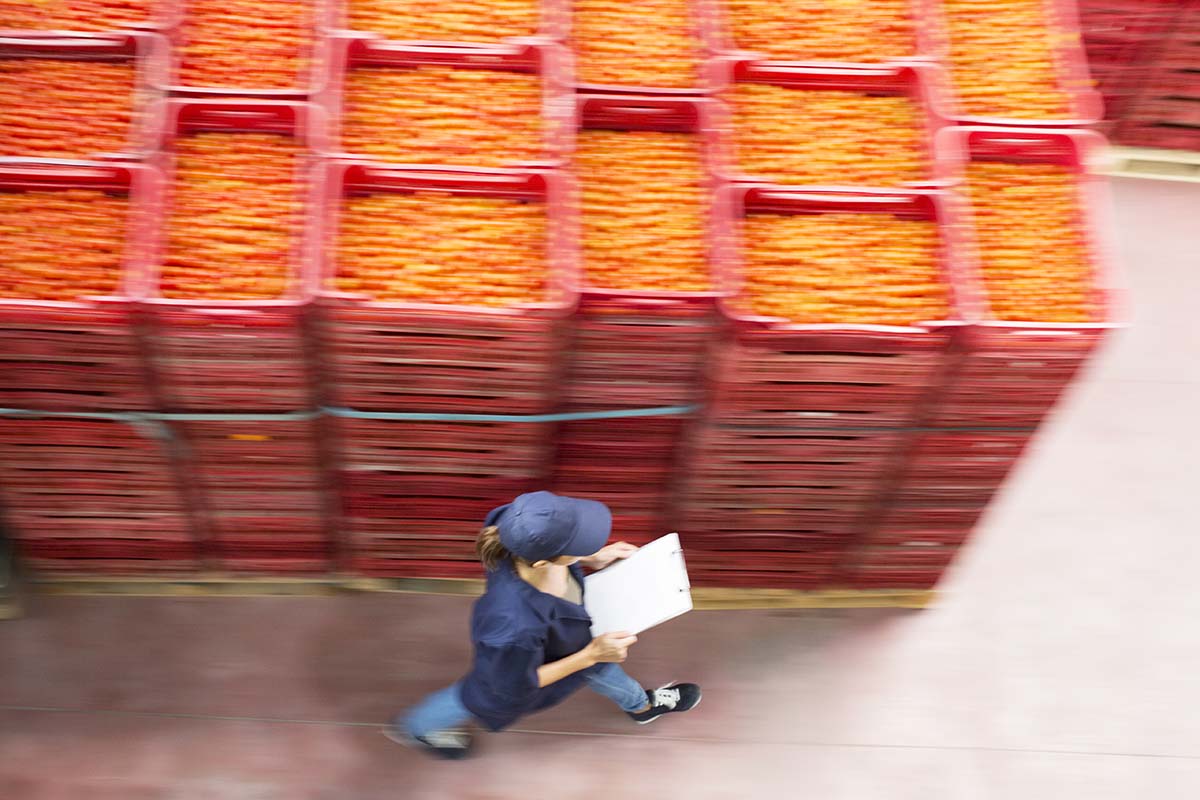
883	305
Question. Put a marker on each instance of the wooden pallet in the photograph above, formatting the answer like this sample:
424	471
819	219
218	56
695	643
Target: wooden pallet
1149	162
221	585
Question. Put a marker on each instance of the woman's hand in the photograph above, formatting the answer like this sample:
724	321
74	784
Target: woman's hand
610	647
609	554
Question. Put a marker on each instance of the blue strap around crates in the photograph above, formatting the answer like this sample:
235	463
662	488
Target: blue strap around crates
573	416
153	423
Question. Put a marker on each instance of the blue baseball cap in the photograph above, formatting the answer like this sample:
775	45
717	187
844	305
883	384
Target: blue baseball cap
541	526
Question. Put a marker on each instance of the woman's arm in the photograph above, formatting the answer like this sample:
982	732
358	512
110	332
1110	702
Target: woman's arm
611	553
608	647
555	671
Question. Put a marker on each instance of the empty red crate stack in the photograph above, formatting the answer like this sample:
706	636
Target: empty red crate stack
806	417
481	333
1049	303
262	492
84	495
1165	111
647	314
414	494
1123	38
226	303
68	327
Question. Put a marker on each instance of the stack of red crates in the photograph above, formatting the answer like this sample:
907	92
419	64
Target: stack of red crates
262	489
52	351
87	495
804	421
414	492
1123	39
1006	378
259	484
80	494
1165	112
634	349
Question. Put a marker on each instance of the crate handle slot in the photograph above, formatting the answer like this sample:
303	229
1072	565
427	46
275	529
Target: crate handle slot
811	198
52	171
73	43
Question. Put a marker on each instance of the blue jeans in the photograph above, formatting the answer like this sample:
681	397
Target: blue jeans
444	709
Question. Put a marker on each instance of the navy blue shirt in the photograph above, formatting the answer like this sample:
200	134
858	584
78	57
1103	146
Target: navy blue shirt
515	629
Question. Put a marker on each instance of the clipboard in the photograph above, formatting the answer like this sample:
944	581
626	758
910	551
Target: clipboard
639	592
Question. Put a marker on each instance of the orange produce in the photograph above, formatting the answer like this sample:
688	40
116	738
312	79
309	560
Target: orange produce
446	20
1002	59
842	268
234	210
438	248
826	136
52	108
1032	241
863	31
643	205
233	43
75	15
644	43
443	115
61	245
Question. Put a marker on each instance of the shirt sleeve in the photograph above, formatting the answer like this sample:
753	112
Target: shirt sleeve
510	669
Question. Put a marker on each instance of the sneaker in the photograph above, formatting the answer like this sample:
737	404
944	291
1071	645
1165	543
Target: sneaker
668	699
453	745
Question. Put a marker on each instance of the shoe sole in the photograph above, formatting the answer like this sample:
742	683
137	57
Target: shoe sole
404	740
648	721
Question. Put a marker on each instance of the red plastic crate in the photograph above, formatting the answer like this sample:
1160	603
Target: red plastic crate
1137	133
812	376
919	82
699	9
222	355
148	53
84	353
636	348
545	59
1012	372
31	16
80	491
390	356
892	578
928	42
554	24
1175	112
697	116
308	75
1070	61
374	567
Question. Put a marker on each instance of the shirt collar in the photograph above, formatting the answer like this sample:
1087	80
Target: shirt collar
546	605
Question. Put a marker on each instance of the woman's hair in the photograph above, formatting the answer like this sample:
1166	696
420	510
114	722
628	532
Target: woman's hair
489	549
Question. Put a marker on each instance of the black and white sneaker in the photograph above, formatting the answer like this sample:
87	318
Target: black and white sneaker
452	745
670	698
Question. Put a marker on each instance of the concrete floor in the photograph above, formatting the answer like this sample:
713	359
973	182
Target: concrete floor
1063	661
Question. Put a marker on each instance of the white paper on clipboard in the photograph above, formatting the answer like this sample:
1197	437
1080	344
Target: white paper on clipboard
639	592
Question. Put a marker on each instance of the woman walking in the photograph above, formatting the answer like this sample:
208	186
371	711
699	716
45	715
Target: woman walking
531	633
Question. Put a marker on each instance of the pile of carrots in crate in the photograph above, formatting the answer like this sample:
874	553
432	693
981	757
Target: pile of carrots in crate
446	115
